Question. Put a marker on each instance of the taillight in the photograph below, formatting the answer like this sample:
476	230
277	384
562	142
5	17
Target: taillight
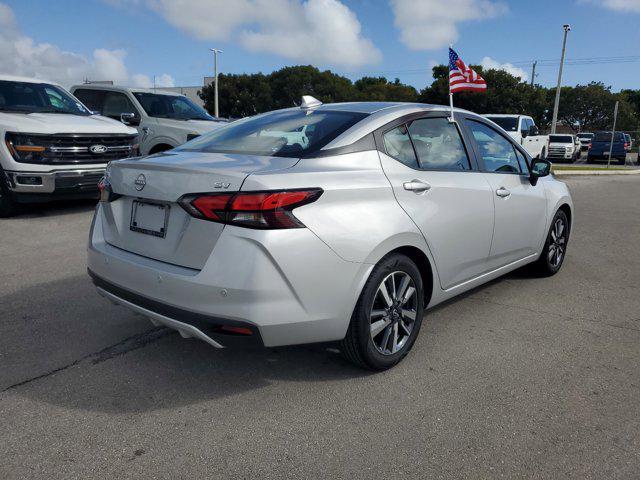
589	146
264	210
106	194
626	145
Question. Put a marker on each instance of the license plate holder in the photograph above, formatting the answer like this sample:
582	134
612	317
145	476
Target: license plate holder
149	218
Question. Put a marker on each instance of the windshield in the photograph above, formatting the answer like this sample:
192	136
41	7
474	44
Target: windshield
560	139
284	133
585	135
606	137
510	124
26	97
171	106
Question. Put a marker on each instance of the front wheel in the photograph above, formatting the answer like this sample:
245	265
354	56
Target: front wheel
555	248
388	315
8	206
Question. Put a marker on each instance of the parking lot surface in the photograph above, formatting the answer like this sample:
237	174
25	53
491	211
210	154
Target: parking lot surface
521	378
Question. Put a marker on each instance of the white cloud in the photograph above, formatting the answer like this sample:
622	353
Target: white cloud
617	5
144	81
21	55
311	31
433	24
489	63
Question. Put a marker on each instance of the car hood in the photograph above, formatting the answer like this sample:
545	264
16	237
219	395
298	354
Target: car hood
195	126
51	123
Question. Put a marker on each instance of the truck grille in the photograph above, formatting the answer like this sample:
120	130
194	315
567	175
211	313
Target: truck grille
76	148
557	151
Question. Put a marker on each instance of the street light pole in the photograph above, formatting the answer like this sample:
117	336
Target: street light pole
556	105
215	80
533	72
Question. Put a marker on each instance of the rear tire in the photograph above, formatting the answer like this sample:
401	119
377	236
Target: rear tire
8	206
555	247
387	318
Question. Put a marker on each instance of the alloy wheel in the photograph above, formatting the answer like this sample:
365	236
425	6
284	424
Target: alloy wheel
557	243
393	313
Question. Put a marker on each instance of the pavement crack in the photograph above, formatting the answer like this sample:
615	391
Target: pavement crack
127	345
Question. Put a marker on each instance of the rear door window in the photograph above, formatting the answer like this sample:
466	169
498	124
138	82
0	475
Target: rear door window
498	153
93	99
438	145
116	103
397	144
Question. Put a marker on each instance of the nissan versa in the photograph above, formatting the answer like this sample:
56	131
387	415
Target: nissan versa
339	222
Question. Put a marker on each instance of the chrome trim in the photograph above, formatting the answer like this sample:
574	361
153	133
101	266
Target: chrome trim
115	148
184	329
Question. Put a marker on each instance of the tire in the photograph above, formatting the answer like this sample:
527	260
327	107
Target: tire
397	331
548	263
8	206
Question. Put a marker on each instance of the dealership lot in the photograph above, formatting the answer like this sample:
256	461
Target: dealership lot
522	377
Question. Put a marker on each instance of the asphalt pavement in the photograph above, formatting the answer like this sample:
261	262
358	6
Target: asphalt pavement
521	378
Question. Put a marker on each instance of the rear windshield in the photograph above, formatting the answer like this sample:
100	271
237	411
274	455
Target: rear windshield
510	124
560	139
284	133
585	135
606	137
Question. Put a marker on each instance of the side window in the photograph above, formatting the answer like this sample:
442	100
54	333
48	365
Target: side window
397	144
497	152
521	160
116	103
438	145
524	125
93	99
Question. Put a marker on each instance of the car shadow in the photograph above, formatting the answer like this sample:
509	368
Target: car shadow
86	353
54	208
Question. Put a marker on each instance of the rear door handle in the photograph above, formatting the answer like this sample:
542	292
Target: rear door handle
416	186
503	192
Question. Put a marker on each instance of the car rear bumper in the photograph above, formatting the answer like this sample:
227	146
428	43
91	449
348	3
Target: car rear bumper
288	286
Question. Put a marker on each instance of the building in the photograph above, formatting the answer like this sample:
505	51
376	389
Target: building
191	92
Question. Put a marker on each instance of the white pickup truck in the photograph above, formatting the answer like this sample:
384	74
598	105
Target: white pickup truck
523	130
53	146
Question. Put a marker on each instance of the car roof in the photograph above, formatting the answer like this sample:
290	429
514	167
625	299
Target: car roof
506	115
15	78
124	88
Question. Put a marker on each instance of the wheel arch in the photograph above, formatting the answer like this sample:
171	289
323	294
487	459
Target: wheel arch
160	147
423	263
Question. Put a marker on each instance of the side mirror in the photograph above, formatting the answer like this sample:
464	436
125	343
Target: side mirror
539	168
524	133
533	131
129	119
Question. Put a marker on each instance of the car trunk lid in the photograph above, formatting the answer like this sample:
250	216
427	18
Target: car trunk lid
147	219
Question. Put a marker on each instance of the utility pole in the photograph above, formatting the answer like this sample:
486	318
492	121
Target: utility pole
533	72
215	51
556	105
613	133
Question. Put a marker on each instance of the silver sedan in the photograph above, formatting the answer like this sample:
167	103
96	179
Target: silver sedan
324	223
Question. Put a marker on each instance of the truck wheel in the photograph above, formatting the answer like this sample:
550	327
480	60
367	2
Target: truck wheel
8	206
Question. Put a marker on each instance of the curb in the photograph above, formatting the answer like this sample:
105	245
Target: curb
603	171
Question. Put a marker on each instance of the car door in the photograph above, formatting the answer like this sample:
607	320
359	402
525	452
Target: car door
520	208
435	181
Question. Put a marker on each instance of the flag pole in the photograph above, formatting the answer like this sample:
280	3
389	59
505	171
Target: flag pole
451	119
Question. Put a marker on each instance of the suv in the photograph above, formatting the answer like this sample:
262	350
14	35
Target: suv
163	119
585	139
602	144
563	147
53	146
523	130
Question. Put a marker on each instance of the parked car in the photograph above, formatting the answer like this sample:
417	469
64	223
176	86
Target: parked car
250	235
585	139
524	131
628	142
163	119
563	147
53	146
601	145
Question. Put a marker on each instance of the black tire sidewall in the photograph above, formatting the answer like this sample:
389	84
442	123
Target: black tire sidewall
394	262
551	270
8	206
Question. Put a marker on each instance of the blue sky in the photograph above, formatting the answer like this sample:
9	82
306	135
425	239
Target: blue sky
133	40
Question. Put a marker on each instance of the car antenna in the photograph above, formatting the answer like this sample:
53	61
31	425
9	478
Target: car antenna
309	102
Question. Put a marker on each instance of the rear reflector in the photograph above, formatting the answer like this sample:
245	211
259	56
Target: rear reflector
263	210
236	330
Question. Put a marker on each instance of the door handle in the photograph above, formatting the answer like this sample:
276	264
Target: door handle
416	186
503	192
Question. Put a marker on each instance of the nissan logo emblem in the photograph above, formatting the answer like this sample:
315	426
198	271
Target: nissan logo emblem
140	182
97	149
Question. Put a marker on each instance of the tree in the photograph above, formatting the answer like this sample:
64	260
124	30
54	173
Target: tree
240	95
379	89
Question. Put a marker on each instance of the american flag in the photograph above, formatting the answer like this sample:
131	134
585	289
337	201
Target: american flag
461	77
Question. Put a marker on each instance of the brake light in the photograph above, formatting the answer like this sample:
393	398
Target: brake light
589	146
263	210
626	145
104	187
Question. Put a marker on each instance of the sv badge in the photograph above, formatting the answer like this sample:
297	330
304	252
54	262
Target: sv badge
221	185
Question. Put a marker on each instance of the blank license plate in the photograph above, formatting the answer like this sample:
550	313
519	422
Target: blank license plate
149	218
